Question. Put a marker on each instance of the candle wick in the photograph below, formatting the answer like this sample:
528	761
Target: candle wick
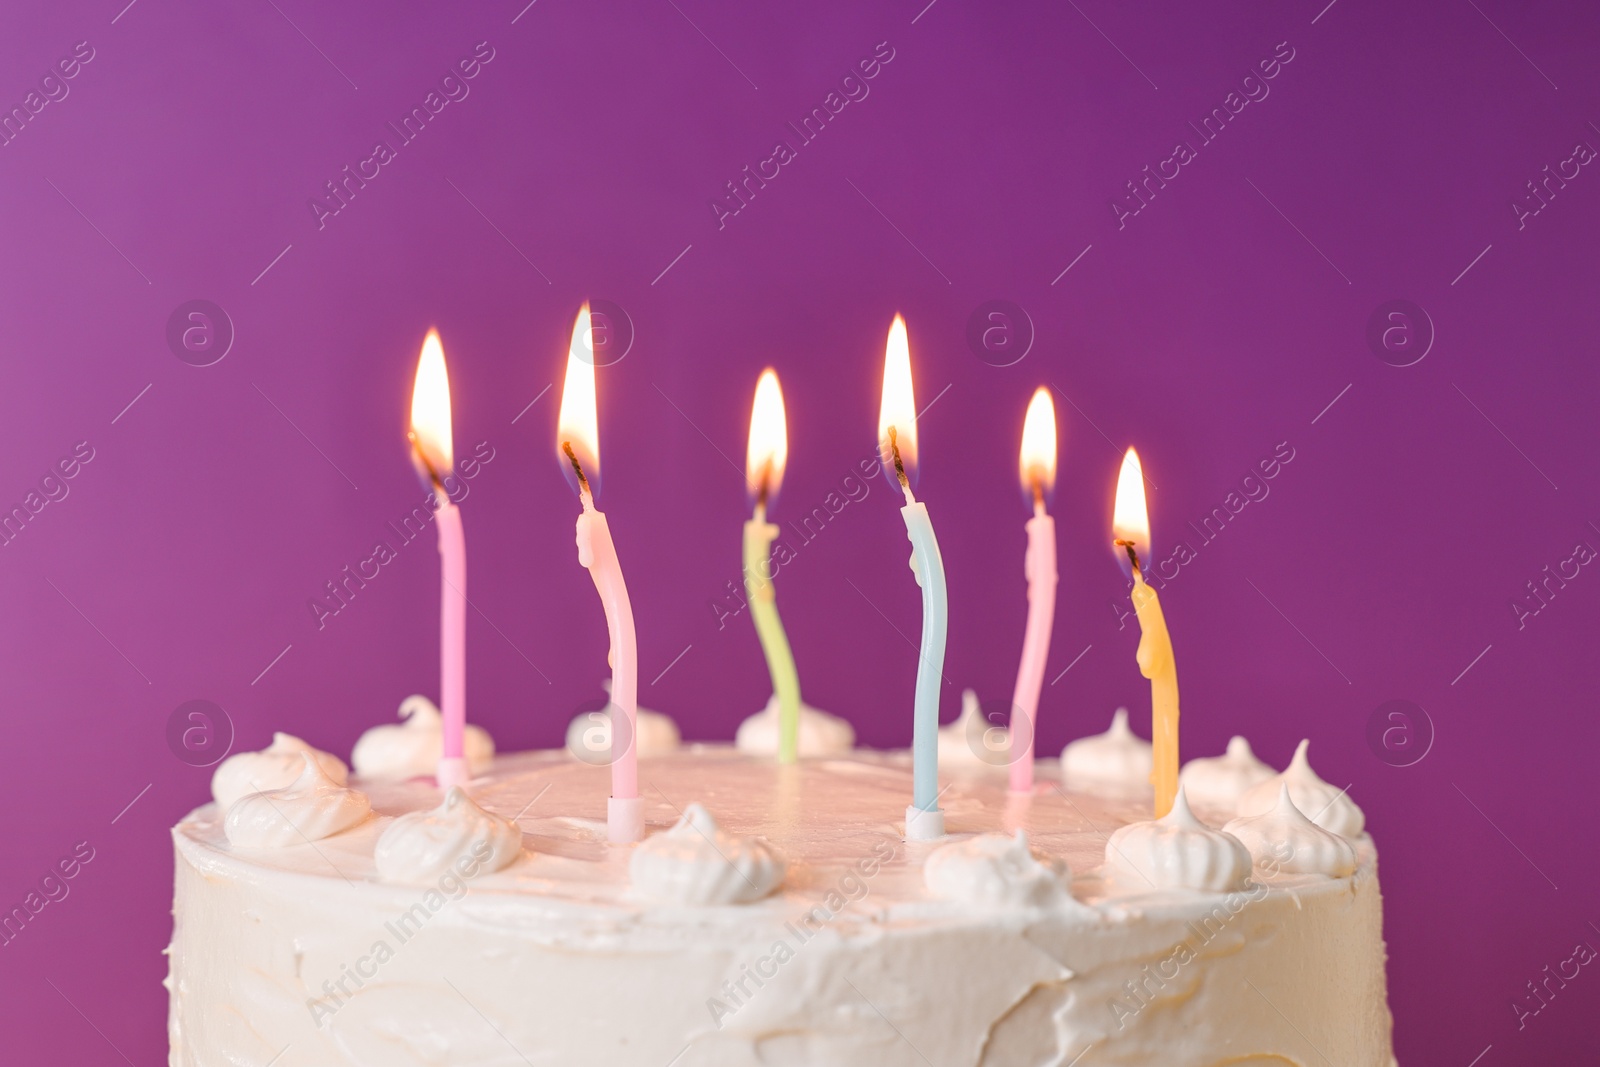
1038	498
761	495
425	466
899	466
583	483
1133	555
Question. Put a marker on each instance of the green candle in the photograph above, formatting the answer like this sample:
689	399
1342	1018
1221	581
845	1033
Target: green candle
764	462
758	537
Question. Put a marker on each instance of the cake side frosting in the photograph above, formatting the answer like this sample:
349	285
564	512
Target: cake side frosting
851	961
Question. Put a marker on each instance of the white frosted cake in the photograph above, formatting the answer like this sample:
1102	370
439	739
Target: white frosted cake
774	916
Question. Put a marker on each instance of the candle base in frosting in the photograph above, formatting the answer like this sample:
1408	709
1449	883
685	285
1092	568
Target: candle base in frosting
624	820
452	773
413	749
820	734
924	825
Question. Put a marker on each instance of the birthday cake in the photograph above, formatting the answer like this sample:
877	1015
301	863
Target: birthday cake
773	915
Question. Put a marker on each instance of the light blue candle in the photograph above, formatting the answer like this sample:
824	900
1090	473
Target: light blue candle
897	446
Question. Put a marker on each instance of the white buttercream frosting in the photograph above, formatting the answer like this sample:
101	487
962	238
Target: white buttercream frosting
1284	841
412	749
972	740
1219	781
589	733
1177	851
537	955
457	836
1117	758
995	871
274	767
310	808
1328	807
821	734
698	862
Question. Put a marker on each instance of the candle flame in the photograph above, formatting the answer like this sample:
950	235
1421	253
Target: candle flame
1130	518
578	425
432	447
768	451
1036	464
898	411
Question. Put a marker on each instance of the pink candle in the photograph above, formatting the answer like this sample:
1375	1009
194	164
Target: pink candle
433	453
452	641
1038	470
578	447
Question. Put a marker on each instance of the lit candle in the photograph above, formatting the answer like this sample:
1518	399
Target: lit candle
897	446
433	453
578	448
765	458
1037	468
1130	527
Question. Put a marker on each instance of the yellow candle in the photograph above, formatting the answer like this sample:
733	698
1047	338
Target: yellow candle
764	462
1130	527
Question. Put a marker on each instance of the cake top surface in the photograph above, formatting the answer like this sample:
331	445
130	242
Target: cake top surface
828	818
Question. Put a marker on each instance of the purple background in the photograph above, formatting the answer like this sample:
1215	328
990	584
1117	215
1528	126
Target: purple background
1220	321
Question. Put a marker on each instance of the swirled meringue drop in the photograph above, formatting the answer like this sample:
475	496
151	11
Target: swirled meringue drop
589	733
821	734
1219	781
1330	808
994	871
312	807
697	862
274	767
1284	841
412	749
972	740
1117	758
1177	851
458	836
